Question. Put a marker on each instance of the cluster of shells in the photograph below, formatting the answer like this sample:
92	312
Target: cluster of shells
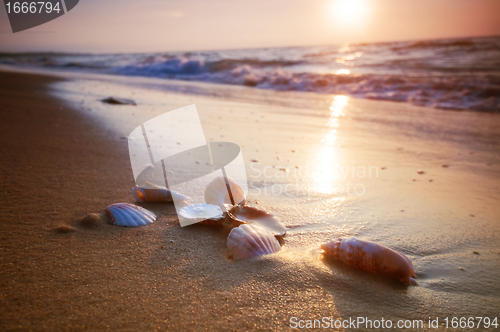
253	232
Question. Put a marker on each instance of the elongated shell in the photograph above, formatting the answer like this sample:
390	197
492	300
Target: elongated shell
247	241
129	215
250	215
371	257
154	193
217	193
201	212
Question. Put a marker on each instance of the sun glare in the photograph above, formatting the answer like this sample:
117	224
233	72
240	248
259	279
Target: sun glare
350	11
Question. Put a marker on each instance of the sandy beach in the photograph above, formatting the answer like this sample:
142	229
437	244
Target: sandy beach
422	181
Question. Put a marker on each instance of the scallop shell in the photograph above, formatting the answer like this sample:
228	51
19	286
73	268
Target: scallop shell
250	215
217	193
201	212
129	215
154	193
247	241
372	257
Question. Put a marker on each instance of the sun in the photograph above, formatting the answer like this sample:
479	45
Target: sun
350	11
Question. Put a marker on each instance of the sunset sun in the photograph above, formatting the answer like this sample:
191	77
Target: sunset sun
350	11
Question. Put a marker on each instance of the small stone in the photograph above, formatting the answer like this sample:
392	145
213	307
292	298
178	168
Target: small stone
254	160
63	229
118	101
476	252
420	172
92	220
444	165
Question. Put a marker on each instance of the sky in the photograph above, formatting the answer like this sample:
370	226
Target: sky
115	26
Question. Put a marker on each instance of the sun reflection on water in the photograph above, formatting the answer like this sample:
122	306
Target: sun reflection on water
342	72
327	170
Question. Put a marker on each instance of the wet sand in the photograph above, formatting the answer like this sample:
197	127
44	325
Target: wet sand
64	157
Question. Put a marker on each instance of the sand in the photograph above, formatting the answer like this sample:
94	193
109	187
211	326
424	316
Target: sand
64	157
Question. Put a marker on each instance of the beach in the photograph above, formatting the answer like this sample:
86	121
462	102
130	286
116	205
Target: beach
421	181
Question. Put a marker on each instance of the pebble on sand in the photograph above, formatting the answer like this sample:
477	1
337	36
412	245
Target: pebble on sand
420	171
91	220
118	101
254	160
63	229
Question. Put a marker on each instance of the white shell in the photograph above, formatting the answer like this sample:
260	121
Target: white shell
129	215
153	193
201	212
261	218
217	193
247	241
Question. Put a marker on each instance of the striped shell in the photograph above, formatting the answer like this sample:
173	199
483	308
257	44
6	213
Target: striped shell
217	193
129	215
247	241
250	215
372	257
201	212
157	194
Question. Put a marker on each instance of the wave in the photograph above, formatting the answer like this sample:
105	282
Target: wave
462	74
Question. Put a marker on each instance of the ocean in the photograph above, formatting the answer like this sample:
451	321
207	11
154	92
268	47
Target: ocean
455	74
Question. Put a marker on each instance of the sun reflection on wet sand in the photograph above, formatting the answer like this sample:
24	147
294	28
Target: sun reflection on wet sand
326	174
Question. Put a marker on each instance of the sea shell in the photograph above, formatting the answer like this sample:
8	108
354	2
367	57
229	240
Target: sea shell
250	215
154	193
129	215
201	212
372	257
248	241
217	193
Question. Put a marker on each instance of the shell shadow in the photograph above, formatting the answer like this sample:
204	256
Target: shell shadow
353	289
199	253
99	225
